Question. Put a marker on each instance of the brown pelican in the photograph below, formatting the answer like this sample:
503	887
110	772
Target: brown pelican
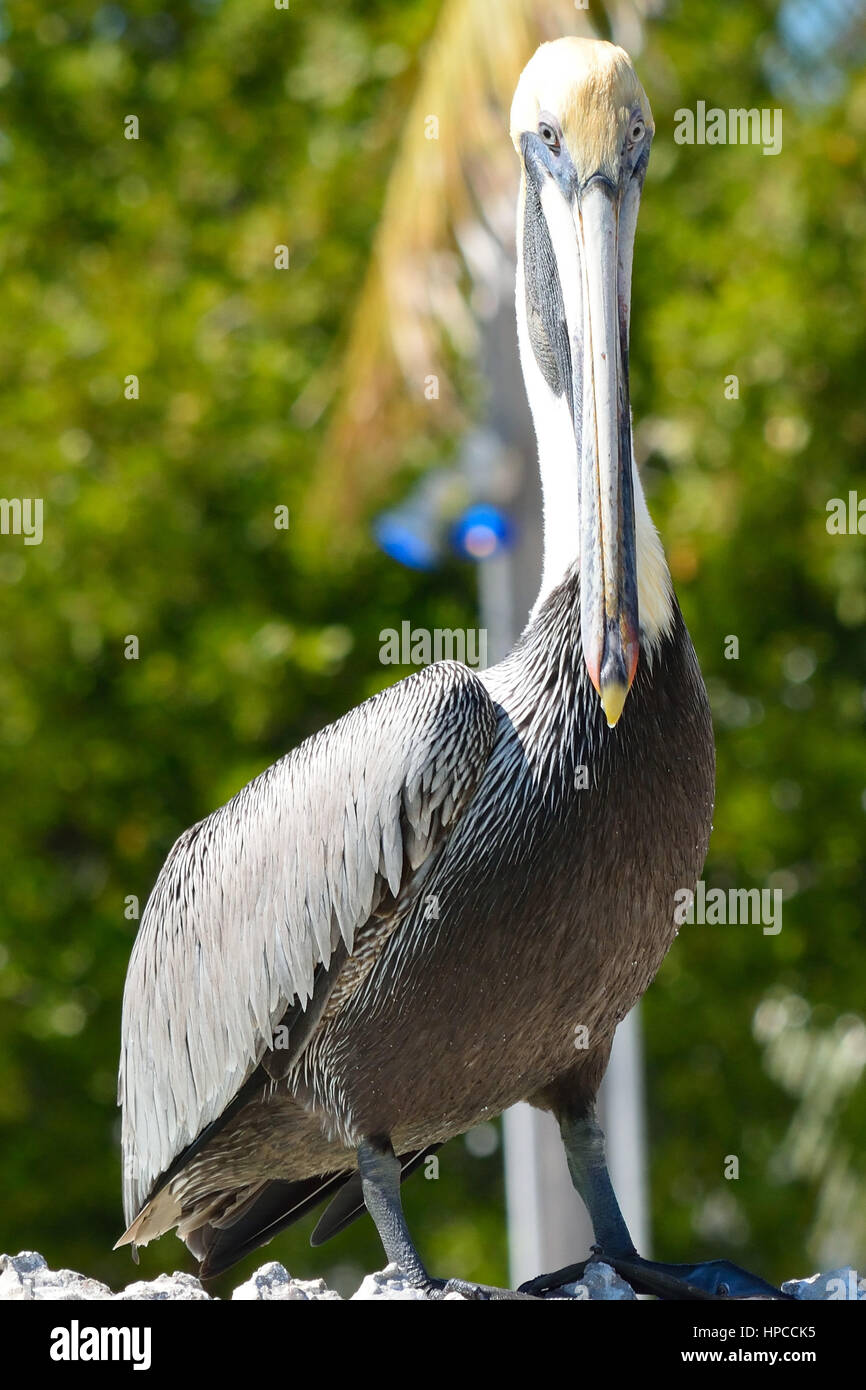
398	929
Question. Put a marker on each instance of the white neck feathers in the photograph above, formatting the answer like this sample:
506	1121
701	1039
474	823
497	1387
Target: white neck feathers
558	464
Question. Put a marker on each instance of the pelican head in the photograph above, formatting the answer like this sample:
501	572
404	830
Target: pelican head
582	126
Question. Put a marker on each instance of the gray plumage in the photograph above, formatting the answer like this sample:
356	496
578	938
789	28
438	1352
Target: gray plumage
252	900
451	789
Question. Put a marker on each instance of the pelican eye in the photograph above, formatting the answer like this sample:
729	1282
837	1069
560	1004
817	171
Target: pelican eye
548	129
636	131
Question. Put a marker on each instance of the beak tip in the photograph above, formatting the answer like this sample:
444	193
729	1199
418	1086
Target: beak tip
613	696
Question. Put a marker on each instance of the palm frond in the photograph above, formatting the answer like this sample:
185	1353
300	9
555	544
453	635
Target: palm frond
451	192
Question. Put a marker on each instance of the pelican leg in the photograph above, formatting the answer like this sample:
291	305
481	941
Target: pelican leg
587	1164
380	1171
379	1167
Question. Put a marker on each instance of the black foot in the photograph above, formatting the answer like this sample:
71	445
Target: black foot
715	1279
547	1283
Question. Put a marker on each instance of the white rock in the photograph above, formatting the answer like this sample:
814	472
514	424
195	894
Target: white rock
177	1286
65	1284
391	1283
599	1283
26	1262
839	1284
18	1274
273	1282
26	1276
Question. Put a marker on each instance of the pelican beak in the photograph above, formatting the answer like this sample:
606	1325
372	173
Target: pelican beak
604	222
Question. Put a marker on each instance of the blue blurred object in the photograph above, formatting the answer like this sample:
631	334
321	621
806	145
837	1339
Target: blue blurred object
407	536
483	530
440	507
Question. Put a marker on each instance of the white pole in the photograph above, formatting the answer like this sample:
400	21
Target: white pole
623	1120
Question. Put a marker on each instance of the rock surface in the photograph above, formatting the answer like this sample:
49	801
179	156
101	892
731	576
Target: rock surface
181	1287
838	1285
599	1282
273	1283
390	1283
27	1276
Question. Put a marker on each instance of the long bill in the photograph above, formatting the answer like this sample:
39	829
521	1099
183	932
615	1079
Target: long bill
610	631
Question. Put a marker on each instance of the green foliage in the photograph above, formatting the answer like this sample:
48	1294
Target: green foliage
155	257
754	266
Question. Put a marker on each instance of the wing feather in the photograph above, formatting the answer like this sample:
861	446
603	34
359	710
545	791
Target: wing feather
251	900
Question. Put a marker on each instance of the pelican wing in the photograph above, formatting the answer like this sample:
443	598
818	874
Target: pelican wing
253	899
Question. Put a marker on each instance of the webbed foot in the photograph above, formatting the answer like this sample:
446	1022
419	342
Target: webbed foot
713	1279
